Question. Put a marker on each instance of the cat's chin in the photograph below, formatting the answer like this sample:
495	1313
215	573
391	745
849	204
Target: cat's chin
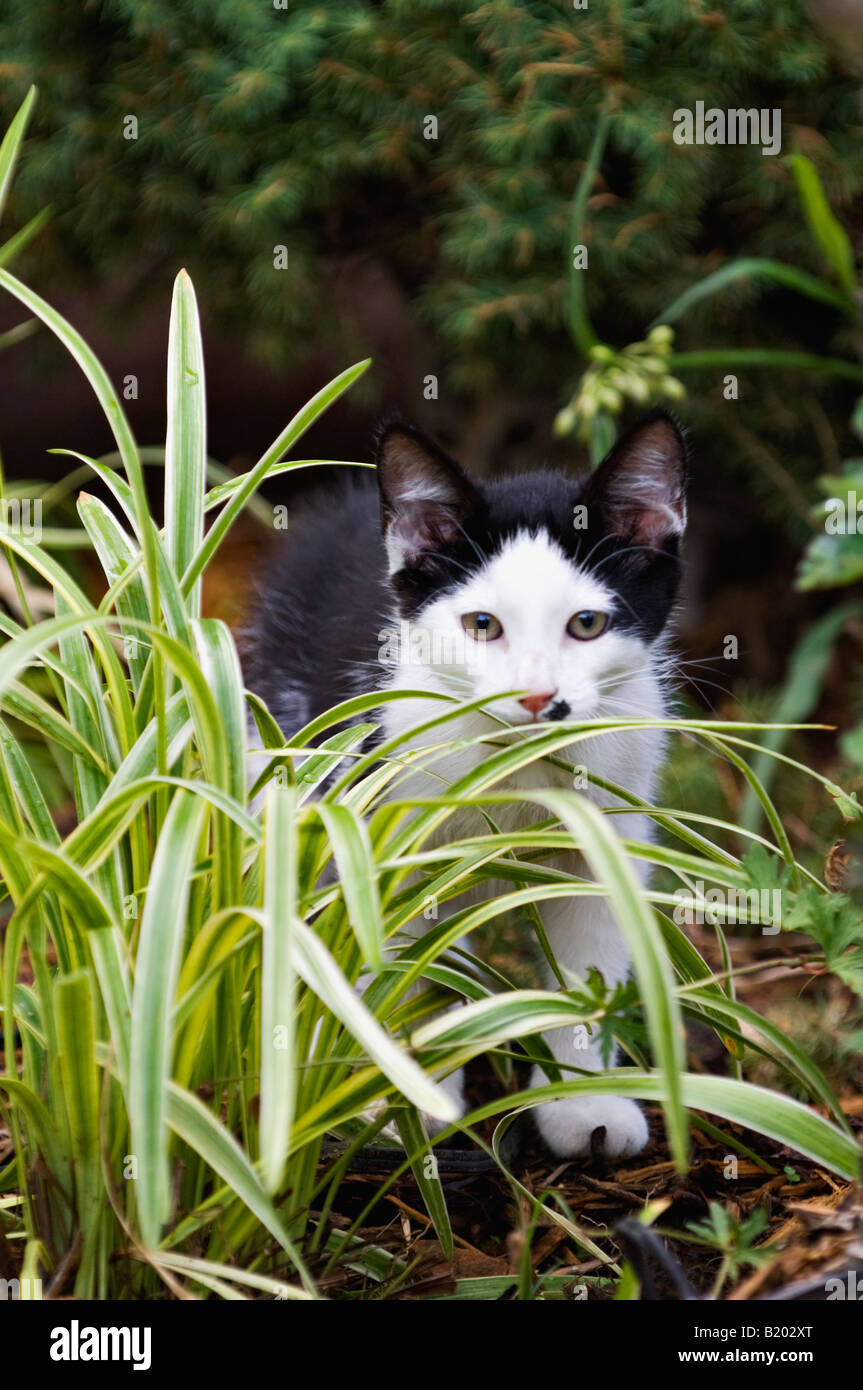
508	715
522	720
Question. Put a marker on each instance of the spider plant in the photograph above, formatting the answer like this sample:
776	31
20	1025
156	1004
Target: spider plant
180	1016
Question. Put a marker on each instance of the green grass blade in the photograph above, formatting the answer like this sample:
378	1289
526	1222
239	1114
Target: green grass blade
317	967
827	230
765	1112
12	144
203	1133
44	1133
118	555
226	738
278	984
787	1051
82	899
12	248
425	1171
641	932
163	926
577	317
756	268
80	1079
289	436
357	874
223	491
114	481
186	440
216	1276
114	414
498	1019
31	709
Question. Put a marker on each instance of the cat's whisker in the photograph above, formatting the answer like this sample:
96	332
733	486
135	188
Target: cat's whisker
586	561
448	559
629	550
475	546
698	681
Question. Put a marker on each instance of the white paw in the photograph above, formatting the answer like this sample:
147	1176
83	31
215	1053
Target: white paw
453	1086
568	1125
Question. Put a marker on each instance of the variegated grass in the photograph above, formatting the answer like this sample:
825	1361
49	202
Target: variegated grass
179	1010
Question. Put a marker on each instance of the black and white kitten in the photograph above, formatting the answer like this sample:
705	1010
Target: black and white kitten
556	588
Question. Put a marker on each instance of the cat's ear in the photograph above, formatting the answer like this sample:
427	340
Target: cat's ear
424	495
640	486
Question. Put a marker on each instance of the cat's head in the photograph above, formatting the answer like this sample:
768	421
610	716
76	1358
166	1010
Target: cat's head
540	583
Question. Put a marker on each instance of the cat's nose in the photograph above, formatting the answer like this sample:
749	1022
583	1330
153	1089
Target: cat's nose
535	703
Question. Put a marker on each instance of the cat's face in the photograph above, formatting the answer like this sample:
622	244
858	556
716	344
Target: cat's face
547	586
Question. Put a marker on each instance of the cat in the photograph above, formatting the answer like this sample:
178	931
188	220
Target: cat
559	589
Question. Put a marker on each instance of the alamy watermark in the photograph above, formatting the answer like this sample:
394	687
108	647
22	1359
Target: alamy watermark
24	515
77	1343
20	1290
411	644
843	516
737	126
714	906
845	1287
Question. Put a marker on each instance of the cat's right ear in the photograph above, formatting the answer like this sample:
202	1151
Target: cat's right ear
425	496
640	486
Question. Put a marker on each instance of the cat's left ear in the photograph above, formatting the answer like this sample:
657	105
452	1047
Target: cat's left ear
425	496
640	486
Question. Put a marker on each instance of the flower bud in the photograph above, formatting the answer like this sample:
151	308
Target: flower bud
661	337
672	388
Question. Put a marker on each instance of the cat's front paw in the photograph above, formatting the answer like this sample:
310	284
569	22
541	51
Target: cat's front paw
453	1086
568	1125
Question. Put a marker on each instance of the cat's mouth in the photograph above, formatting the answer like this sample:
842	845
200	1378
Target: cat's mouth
557	710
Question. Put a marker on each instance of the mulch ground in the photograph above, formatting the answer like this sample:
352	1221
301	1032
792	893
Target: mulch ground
815	1221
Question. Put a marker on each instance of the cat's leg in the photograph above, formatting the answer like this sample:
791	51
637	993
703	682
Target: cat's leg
583	933
452	1084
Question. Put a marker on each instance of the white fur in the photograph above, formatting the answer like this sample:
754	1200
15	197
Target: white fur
533	590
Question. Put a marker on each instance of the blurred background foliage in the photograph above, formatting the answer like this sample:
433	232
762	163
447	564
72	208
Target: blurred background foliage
308	128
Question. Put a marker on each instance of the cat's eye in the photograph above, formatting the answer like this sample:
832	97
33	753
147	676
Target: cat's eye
483	627
587	624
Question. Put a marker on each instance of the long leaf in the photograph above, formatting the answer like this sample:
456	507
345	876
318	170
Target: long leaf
317	967
578	319
186	440
162	929
289	436
756	268
278	988
202	1132
425	1171
12	144
353	852
828	232
765	1112
80	1075
641	932
765	357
